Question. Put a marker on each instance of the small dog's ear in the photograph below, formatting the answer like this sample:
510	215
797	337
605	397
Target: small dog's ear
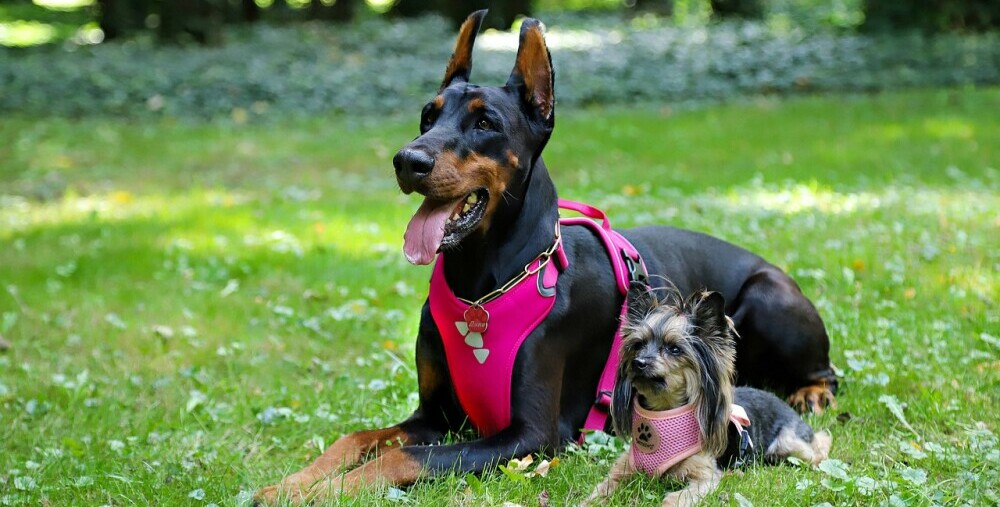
641	301
708	310
460	64
715	352
533	72
621	401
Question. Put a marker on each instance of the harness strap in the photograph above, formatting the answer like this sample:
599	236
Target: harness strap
628	266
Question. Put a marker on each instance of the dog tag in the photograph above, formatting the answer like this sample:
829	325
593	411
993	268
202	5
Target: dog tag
477	318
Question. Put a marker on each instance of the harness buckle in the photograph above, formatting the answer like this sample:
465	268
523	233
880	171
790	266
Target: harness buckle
603	399
636	270
746	446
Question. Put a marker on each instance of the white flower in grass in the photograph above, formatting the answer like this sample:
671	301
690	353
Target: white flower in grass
116	445
25	483
198	494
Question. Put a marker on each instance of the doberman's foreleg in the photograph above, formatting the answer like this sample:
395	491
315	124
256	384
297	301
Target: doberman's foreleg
348	451
403	466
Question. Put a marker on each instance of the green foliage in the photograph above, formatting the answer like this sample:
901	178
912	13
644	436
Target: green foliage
378	67
932	15
197	308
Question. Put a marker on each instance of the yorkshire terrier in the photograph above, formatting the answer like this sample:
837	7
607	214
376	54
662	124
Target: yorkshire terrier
674	395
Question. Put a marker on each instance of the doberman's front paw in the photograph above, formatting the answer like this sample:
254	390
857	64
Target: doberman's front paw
278	494
813	398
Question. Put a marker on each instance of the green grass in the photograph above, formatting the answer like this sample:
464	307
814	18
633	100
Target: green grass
202	307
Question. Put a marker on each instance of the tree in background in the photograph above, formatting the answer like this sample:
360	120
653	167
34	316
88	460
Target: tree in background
502	13
202	20
931	15
751	9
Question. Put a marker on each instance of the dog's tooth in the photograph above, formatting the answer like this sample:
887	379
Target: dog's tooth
466	208
455	216
473	199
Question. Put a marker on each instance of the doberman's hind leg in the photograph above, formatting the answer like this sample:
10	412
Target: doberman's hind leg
783	342
347	451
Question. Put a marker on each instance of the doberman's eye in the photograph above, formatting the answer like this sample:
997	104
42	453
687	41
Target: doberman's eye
428	118
484	124
674	350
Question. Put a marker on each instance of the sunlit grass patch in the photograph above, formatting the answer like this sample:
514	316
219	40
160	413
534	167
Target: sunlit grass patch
196	309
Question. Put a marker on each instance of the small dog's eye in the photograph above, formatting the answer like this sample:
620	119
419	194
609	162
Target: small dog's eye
674	350
484	124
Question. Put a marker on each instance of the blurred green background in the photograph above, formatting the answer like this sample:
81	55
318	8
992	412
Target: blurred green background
212	58
201	276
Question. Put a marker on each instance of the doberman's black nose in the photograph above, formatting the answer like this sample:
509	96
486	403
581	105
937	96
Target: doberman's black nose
412	164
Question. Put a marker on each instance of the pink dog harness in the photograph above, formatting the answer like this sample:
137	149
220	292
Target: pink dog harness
481	339
662	439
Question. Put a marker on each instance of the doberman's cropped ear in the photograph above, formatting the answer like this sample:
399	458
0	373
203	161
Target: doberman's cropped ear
641	302
460	65
533	71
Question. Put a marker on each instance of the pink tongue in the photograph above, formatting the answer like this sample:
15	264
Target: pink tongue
426	230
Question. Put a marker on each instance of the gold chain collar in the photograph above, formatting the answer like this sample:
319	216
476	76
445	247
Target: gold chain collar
542	259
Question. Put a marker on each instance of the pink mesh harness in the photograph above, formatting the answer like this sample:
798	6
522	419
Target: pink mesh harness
662	439
481	356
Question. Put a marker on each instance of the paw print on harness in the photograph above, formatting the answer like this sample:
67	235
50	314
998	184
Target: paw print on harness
645	433
645	438
474	340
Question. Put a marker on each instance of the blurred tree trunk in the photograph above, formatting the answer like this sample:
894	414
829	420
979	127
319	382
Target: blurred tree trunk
341	11
413	8
751	9
501	16
200	20
665	7
119	17
931	15
251	11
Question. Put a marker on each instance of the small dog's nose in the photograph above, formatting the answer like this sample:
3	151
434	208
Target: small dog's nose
640	364
412	164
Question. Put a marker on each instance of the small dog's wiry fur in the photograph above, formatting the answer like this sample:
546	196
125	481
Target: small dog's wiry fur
677	352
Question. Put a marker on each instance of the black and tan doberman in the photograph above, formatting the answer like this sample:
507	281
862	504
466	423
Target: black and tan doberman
489	208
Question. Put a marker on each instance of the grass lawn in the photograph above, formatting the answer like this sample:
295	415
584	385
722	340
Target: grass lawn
195	310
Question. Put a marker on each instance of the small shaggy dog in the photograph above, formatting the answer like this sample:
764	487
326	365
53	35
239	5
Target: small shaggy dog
674	395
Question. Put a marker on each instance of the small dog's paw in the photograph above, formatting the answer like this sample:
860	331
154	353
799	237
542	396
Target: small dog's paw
813	398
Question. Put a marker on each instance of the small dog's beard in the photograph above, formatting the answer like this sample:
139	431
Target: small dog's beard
662	394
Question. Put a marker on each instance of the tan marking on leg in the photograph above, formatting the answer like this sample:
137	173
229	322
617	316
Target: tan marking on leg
347	451
394	468
813	398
